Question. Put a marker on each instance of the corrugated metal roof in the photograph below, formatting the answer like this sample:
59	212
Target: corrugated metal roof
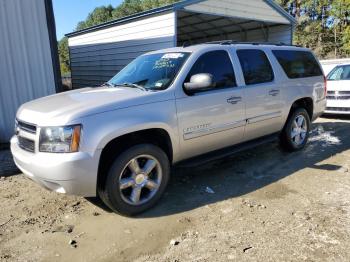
172	7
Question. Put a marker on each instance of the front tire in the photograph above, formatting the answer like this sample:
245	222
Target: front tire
136	180
296	131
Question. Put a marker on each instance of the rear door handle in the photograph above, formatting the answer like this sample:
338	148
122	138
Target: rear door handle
234	100
274	92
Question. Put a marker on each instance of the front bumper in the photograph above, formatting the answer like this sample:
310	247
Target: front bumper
338	107
71	173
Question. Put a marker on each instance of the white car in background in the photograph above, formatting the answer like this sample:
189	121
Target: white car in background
330	64
338	94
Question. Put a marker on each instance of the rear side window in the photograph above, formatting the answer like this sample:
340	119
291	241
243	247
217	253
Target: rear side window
256	66
298	64
218	64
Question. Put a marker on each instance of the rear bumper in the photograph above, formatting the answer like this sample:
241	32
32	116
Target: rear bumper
339	111
74	173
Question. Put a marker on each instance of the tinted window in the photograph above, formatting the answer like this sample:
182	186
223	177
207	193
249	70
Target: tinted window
339	73
255	65
298	64
219	65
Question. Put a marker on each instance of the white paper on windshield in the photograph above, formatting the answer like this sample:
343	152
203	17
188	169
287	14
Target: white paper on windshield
172	56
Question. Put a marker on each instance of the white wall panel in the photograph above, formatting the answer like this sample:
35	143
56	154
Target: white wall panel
275	34
151	27
247	9
97	56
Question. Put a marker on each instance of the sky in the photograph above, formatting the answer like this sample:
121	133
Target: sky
69	12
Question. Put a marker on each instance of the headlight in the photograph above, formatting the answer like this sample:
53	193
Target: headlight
64	139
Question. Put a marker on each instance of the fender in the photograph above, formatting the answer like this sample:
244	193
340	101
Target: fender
99	130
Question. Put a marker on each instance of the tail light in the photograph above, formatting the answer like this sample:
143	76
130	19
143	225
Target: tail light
325	85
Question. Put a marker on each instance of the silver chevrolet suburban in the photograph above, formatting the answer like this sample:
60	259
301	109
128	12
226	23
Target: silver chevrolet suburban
180	105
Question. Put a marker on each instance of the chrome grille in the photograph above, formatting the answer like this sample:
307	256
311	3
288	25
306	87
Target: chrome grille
26	144
338	95
26	127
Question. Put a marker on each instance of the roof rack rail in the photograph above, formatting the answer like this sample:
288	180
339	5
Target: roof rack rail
234	42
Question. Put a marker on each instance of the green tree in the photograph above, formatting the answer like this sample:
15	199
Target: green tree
129	7
98	16
346	40
322	25
64	55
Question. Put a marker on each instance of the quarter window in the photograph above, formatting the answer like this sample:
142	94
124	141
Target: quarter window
298	64
255	66
219	65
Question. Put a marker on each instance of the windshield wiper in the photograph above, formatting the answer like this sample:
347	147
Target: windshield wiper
132	85
108	84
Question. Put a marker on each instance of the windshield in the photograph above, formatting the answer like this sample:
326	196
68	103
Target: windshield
339	73
151	72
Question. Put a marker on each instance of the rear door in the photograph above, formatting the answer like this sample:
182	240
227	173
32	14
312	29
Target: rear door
214	118
263	94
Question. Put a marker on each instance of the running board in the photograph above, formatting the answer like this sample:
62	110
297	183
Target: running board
226	152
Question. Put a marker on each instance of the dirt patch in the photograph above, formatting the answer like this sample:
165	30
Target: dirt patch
264	205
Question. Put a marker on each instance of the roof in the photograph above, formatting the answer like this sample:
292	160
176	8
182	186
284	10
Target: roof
172	7
226	43
335	61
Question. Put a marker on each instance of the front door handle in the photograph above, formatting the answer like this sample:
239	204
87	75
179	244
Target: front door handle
274	92
234	100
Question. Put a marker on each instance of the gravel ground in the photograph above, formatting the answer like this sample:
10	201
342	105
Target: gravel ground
262	204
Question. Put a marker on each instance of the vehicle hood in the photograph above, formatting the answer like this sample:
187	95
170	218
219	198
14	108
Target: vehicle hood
342	85
69	106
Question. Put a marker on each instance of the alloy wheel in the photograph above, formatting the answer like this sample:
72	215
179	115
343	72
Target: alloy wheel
140	180
299	130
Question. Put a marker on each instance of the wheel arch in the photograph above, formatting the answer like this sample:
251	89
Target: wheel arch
156	136
304	102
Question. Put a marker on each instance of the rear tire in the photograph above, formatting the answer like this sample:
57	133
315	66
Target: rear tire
296	132
136	180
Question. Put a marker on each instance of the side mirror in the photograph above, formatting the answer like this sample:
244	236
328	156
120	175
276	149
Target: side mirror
199	82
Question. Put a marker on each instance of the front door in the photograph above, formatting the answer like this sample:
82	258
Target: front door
214	118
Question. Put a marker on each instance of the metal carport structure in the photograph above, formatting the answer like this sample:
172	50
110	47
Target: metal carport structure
97	53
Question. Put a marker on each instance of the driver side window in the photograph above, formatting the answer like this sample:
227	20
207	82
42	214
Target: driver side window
219	65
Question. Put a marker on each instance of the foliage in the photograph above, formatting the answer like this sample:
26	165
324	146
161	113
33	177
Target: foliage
129	7
322	25
100	15
64	55
346	40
